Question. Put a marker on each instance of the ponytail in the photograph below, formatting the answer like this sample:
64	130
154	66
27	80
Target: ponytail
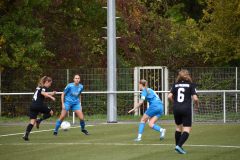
43	80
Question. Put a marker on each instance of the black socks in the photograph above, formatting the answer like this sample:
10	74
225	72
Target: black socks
28	130
183	139
177	136
45	116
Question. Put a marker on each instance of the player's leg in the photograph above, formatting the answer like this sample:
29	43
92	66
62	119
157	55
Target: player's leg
155	113
178	133
187	125
61	118
154	126
33	116
78	110
141	126
183	138
185	128
47	113
178	122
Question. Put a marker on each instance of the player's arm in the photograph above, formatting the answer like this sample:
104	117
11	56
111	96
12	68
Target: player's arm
62	100
170	97
47	95
141	101
195	100
137	106
194	95
66	90
52	93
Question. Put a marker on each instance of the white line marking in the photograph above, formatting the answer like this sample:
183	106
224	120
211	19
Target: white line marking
14	134
120	144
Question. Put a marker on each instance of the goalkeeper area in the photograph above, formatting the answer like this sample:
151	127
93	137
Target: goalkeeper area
116	141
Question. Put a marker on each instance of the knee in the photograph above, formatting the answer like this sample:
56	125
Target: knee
179	128
143	120
151	124
187	129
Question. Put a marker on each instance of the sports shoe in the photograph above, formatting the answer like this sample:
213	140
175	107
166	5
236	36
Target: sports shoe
55	133
162	134
180	150
137	139
85	131
25	138
37	123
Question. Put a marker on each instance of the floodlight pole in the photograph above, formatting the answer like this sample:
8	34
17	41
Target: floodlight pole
111	62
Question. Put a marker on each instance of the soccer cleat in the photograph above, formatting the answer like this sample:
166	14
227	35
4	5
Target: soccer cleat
37	123
55	133
85	131
137	139
180	150
162	134
25	138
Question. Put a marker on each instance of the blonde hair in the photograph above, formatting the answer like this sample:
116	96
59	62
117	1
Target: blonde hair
43	80
143	82
184	75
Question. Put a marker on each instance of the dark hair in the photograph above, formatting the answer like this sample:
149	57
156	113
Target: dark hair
184	75
76	75
43	80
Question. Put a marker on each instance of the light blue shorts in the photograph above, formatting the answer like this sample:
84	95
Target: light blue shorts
73	107
155	111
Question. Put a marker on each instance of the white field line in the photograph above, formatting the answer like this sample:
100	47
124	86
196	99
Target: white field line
119	144
14	134
104	144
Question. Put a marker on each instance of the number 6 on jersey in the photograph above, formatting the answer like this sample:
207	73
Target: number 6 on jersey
180	97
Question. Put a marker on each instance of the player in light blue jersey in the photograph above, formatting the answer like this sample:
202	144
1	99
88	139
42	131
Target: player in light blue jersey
153	113
71	100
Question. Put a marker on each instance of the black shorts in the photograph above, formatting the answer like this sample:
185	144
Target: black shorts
183	117
35	110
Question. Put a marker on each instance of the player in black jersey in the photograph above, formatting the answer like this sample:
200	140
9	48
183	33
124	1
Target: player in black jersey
182	94
38	105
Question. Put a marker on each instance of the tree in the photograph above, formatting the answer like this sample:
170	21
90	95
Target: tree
21	38
220	39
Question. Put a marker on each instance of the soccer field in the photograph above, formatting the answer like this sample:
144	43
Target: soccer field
115	142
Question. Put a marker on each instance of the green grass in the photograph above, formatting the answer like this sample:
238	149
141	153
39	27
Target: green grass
115	142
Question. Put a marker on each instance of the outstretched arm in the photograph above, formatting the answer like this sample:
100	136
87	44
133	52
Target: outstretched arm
136	107
47	95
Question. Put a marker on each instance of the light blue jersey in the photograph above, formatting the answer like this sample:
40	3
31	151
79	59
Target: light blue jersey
151	96
72	93
155	104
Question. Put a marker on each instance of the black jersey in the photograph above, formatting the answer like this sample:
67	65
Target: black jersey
38	98
182	94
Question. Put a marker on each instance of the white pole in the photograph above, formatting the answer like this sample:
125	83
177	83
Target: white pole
136	79
236	103
73	118
166	86
224	107
111	62
67	83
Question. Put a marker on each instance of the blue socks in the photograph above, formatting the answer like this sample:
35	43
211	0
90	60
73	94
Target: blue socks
141	128
156	128
58	124
82	124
